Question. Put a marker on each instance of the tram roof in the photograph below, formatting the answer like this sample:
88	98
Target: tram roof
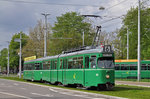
87	51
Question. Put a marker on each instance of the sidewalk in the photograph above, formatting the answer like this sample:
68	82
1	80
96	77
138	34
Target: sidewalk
132	83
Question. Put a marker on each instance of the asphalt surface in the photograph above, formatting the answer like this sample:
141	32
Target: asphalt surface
21	90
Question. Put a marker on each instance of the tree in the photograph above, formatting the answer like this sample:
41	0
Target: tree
35	44
3	58
70	25
131	21
14	48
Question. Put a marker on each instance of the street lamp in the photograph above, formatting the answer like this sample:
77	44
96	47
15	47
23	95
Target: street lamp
45	34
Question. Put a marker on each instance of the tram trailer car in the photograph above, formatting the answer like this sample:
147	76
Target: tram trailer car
128	69
85	68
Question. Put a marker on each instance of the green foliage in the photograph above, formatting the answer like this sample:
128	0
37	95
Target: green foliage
35	44
131	21
3	57
14	49
70	25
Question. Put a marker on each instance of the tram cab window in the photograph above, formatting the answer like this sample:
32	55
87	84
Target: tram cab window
93	61
105	62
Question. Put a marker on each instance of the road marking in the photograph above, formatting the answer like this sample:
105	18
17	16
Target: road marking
107	96
52	90
16	84
15	95
47	95
83	96
71	94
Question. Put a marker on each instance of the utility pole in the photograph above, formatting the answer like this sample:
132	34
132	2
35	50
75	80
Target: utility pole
127	43
45	34
20	58
139	54
8	61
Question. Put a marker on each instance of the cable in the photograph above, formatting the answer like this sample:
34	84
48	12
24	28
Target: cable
62	4
109	25
116	4
103	22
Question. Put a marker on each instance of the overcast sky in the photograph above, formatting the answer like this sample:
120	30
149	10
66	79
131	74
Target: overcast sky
20	15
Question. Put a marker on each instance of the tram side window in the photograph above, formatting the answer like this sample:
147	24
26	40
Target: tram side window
61	63
93	61
64	63
133	67
49	65
55	66
75	63
86	62
117	67
80	63
38	66
29	66
70	63
44	66
124	67
52	64
148	66
144	67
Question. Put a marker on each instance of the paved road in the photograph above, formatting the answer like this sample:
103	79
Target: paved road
21	90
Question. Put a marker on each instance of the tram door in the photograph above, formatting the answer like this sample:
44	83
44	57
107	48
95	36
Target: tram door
60	71
64	70
86	70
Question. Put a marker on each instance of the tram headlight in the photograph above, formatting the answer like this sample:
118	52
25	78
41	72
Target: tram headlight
107	76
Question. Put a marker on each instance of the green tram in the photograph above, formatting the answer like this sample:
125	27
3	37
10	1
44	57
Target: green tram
128	69
87	67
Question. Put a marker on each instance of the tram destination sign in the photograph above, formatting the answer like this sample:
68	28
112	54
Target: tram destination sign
107	55
107	48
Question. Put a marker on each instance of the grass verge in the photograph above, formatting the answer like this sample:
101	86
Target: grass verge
142	80
125	91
